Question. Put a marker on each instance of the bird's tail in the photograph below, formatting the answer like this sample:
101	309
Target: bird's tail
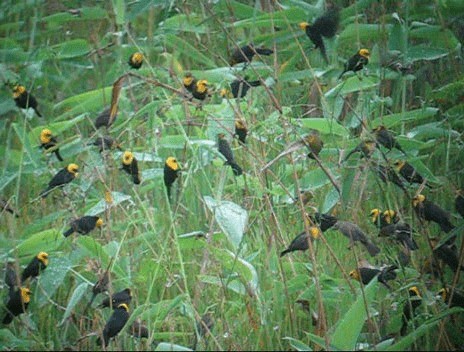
253	83
371	248
284	252
37	112
45	192
8	318
68	232
264	51
57	153
237	170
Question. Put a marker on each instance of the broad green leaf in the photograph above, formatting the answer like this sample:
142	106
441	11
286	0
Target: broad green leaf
71	49
297	344
326	126
353	84
119	8
53	277
47	241
413	115
331	198
358	32
231	218
166	346
425	52
74	300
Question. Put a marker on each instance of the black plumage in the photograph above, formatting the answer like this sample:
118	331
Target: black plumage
24	99
446	253
239	88
106	143
241	130
63	177
324	221
170	173
48	141
130	166
355	234
356	62
115	324
429	211
366	148
103	120
386	138
388	174
245	54
124	296
83	225
35	266
414	300
17	304
409	172
300	242
324	26
136	60
400	232
459	203
366	274
226	151
453	299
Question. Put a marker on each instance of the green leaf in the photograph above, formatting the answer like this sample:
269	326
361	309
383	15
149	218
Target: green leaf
353	84
331	198
74	300
395	119
297	344
181	46
166	346
52	278
425	52
71	49
185	23
85	102
119	8
47	241
326	126
348	328
231	218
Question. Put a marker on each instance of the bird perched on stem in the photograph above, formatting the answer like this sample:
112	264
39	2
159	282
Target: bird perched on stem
453	299
84	225
64	176
171	172
48	141
241	130
366	274
386	138
446	253
130	165
355	234
356	62
324	26
103	120
35	266
408	172
106	143
17	304
324	221
245	54
224	149
366	148
239	88
200	89
123	296
115	324
189	81
24	99
388	174
136	60
381	220
427	210
300	242
414	300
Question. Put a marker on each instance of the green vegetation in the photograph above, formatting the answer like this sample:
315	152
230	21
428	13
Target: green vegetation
213	245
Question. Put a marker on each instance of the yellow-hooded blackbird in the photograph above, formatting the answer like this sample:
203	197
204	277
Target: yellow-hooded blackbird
48	141
239	88
62	177
114	324
103	120
388	174
408	172
189	81
382	219
130	165
446	253
245	54
17	304
83	225
241	130
171	172
324	221
35	266
324	26
457	298
427	210
106	143
459	202
200	89
5	206
386	138
414	300
136	60
366	274
355	234
138	329
300	242
24	99
366	148
121	297
402	233
99	287
356	62
224	149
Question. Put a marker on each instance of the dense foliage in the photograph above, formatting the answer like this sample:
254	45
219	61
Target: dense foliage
212	248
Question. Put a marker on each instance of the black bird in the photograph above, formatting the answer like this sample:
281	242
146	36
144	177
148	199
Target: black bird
414	300
456	301
136	60
200	89
83	225
35	266
17	304
382	219
324	221
324	26
48	141
402	233
427	210
355	234
171	172
386	138
115	324
121	297
356	62
300	242
447	253
409	172
24	99
61	178
189	81
103	120
130	165
366	274
239	88
366	148
388	174
246	53
224	149
241	130
99	287
106	143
